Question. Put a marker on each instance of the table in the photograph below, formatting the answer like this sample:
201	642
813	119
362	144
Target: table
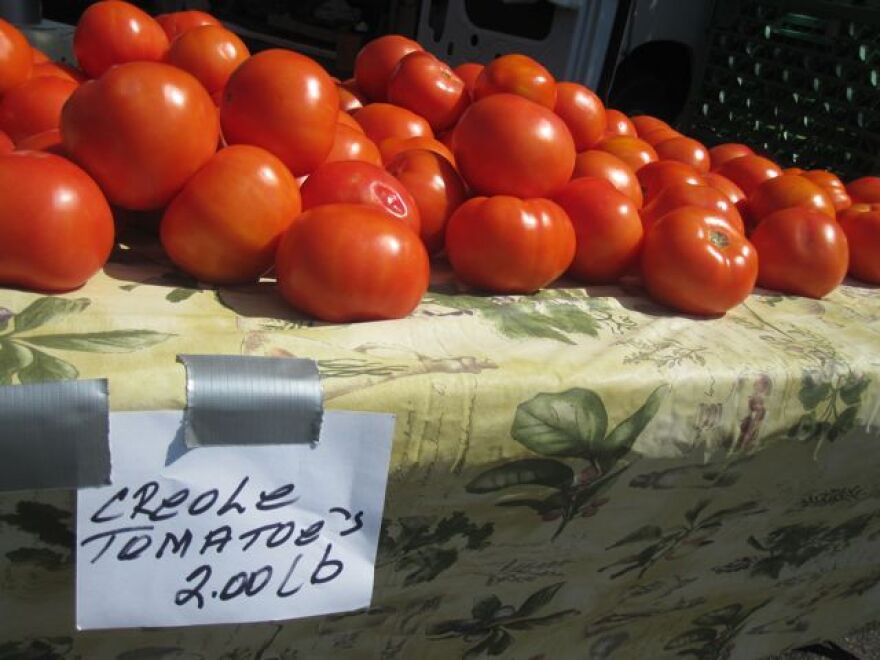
575	474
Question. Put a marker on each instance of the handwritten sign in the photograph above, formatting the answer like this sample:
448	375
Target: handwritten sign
230	534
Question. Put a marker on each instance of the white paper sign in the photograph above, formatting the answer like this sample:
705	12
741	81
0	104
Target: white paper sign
230	534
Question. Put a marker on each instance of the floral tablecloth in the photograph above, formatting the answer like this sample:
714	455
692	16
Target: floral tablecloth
575	474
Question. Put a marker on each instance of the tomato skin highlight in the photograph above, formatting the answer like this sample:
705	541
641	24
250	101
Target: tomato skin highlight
210	53
787	191
721	153
631	150
375	63
517	74
617	123
583	112
427	86
16	58
602	165
750	171
683	194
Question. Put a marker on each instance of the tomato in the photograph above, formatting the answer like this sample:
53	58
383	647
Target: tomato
422	83
56	228
351	262
685	150
695	262
34	106
602	165
49	141
436	188
681	194
801	251
866	189
469	72
833	187
721	153
509	245
793	170
375	62
607	228
348	120
356	182
349	144
381	121
505	144
749	172
724	185
646	123
517	74
350	99
631	150
58	70
617	123
583	112
786	191
393	146
16	59
6	145
225	225
658	135
863	236
38	56
655	177
284	102
114	32
210	52
177	23
140	148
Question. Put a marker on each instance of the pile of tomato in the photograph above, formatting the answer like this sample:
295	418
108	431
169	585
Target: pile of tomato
344	192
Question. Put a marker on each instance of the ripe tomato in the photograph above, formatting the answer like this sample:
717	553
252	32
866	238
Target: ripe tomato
177	23
607	228
681	194
631	150
225	225
658	135
284	102
348	120
685	150
517	74
509	245
141	148
350	98
646	123
793	170
350	144
833	187
375	62
38	56
56	228
210	52
114	32
801	251
422	83
583	112
381	121
505	144
355	182
749	172
786	191
695	262
469	72
34	106
724	185
351	262
49	141
393	146
863	236
436	187
617	123
721	153
655	177
602	165
865	190
58	70
6	145
16	59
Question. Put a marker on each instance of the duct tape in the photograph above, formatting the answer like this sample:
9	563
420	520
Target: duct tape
246	400
54	435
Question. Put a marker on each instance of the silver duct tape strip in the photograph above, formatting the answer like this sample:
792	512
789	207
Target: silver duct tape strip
244	400
54	435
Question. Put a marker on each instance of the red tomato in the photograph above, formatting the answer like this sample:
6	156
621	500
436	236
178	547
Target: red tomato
617	123
509	245
355	182
141	148
6	145
114	32
381	121
684	150
348	120
350	98
646	123
786	191
695	262
34	106
833	187
284	102
658	135
721	153
793	170
58	70
681	194
517	74
349	144
56	228
602	165
225	225
16	58
375	62
631	150
351	262
508	145
749	172
607	228
422	83
469	72
724	185
49	141
865	190
863	236
655	177
210	52
179	22
38	56
391	147
801	251
436	187
583	112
